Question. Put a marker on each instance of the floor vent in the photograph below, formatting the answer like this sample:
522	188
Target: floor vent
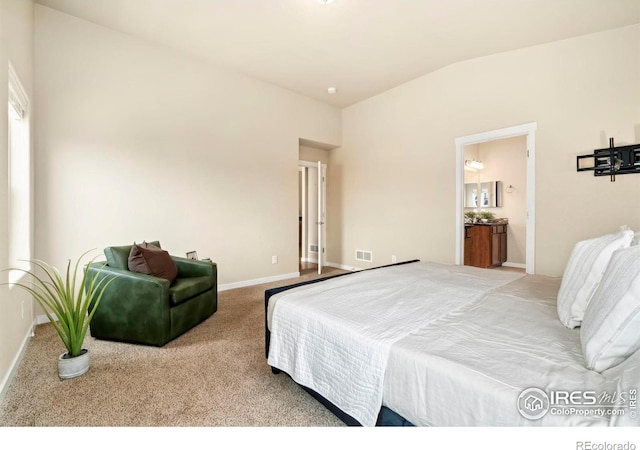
313	248
364	255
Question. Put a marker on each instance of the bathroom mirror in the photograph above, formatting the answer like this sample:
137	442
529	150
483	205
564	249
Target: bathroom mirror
471	195
487	194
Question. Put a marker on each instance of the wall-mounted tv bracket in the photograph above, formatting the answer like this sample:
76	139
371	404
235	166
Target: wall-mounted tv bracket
611	161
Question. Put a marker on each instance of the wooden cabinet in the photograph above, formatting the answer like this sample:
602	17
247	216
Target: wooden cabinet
485	245
468	239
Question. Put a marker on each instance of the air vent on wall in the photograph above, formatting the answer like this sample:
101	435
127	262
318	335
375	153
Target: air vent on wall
364	255
313	248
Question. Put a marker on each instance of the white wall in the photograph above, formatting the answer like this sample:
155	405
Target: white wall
135	142
311	154
16	46
397	161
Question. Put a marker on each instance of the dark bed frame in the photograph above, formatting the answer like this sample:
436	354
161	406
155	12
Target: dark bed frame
386	417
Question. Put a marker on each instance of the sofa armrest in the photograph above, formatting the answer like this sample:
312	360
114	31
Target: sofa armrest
135	307
188	268
102	270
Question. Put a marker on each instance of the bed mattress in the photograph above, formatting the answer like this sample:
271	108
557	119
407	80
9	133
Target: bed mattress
439	345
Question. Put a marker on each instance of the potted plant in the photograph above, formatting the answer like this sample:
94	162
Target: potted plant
486	216
69	306
470	216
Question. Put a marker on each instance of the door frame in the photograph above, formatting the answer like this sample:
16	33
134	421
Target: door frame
528	130
302	193
322	254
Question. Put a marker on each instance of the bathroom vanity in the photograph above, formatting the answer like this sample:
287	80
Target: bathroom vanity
485	244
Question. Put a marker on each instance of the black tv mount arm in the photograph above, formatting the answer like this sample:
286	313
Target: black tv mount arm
611	161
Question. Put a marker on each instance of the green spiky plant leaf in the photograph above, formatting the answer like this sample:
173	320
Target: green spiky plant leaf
471	214
487	215
68	305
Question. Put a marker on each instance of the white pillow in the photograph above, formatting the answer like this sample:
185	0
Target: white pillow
584	271
610	331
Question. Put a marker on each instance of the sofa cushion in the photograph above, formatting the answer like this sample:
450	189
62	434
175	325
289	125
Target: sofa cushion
184	288
118	257
152	260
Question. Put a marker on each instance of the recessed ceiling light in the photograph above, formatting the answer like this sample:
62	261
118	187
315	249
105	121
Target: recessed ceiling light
331	90
325	2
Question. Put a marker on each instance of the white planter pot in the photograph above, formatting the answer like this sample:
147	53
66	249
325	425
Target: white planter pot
73	367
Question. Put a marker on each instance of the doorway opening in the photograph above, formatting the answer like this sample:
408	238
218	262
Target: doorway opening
465	146
313	159
312	232
495	180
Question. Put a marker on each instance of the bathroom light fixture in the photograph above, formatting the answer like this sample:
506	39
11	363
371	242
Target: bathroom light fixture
472	164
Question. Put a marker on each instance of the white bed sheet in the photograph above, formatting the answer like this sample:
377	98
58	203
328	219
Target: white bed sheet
469	366
341	352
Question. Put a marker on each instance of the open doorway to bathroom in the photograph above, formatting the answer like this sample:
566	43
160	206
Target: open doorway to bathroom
495	180
527	132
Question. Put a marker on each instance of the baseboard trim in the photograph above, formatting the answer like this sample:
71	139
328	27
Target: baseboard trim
343	267
6	382
516	265
239	284
42	318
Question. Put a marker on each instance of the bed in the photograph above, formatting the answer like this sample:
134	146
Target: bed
427	344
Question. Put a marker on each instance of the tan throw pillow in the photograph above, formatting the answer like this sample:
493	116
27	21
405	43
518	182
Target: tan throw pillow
152	260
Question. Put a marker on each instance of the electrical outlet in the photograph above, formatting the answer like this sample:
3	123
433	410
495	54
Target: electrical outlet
274	259
394	259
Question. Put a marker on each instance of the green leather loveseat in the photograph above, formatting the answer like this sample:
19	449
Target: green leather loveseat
144	309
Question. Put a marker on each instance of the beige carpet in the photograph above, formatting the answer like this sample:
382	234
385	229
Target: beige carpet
214	375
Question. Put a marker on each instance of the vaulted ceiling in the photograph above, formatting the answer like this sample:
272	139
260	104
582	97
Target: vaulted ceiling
360	47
